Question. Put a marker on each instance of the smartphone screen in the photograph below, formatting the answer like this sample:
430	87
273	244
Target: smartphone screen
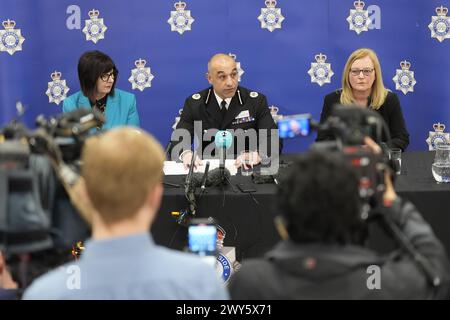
294	126
202	239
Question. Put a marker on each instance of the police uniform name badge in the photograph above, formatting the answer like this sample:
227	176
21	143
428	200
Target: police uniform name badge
238	66
404	78
141	77
180	20
94	27
440	24
438	136
11	39
57	88
358	19
271	17
320	71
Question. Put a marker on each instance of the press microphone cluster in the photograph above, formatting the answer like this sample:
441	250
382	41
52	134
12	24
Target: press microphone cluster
213	178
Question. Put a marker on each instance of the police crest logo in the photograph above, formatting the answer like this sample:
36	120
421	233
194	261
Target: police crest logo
271	17
438	136
404	78
57	88
358	19
141	77
320	71
238	66
11	39
94	27
440	24
180	20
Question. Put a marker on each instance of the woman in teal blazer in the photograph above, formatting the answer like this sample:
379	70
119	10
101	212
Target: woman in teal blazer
98	75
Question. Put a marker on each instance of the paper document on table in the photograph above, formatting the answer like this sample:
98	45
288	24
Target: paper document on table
172	168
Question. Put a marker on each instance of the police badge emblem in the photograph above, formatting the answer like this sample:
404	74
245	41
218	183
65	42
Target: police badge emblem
440	24
271	17
320	71
180	20
404	78
238	66
358	19
94	27
141	77
57	88
438	136
11	39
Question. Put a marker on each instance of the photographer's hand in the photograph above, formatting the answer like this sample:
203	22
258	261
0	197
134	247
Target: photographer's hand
6	281
372	145
389	195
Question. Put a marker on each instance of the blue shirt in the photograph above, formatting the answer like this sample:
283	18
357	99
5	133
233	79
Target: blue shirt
120	108
131	267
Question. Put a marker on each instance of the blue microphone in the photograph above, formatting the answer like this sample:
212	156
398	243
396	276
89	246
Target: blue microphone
223	140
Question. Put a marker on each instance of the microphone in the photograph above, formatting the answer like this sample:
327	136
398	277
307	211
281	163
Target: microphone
188	181
166	152
223	140
205	177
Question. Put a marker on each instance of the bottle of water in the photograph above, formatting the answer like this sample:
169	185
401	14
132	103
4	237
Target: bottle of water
441	165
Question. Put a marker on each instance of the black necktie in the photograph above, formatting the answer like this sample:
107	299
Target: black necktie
223	109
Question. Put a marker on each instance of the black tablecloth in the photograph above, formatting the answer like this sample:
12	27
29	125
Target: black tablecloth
250	227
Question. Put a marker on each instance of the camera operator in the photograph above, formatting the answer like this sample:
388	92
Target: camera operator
322	254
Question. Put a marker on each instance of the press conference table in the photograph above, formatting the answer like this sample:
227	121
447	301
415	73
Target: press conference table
249	224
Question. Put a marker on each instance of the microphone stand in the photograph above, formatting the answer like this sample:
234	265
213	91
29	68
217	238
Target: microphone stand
205	177
189	192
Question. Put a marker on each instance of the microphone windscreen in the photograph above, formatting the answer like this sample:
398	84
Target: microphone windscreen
197	179
215	177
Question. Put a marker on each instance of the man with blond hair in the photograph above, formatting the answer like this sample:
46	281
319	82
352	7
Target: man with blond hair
122	172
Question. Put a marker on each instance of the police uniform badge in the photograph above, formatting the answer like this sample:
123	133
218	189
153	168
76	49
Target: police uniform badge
438	136
141	77
11	39
440	24
320	71
180	20
404	78
57	88
94	27
238	66
358	19
271	17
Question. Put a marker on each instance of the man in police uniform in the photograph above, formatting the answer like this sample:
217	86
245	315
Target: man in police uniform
225	105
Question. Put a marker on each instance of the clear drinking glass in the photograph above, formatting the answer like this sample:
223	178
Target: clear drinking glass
247	163
441	165
395	154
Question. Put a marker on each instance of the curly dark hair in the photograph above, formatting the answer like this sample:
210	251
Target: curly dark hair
319	200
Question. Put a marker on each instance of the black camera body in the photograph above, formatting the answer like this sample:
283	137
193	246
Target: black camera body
350	125
27	162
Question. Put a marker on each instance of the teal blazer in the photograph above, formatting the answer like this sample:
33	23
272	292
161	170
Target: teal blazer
120	109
